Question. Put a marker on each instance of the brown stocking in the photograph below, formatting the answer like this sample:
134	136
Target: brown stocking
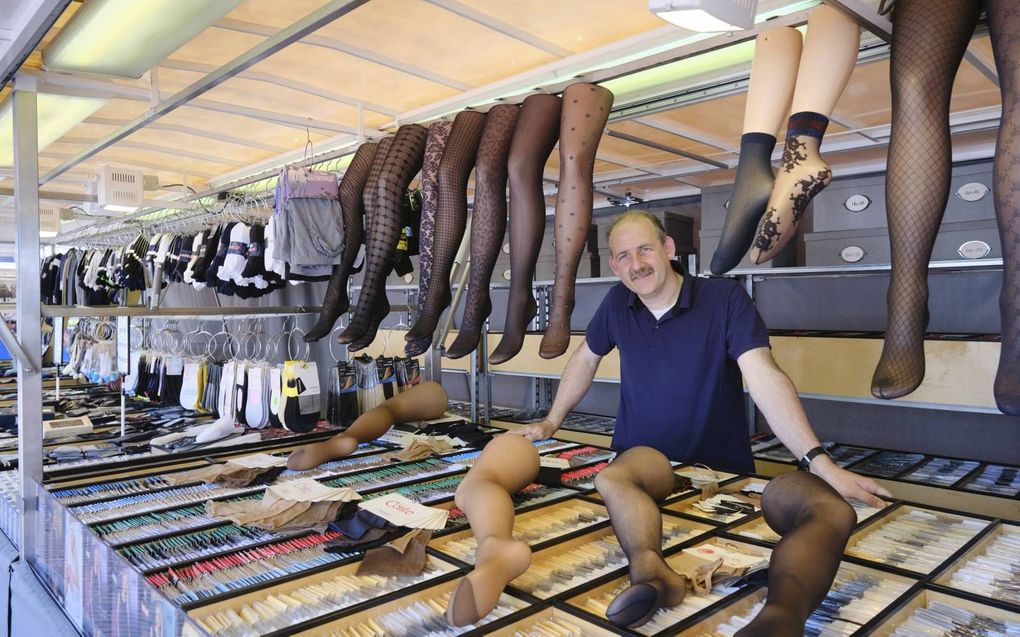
488	222
538	128
439	132
424	401
1004	22
352	189
451	218
403	161
585	113
815	523
506	466
929	40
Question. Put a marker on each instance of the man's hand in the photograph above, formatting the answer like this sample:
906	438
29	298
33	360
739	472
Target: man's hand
849	485
537	431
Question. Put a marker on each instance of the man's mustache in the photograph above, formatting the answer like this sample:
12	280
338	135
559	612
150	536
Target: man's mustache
640	273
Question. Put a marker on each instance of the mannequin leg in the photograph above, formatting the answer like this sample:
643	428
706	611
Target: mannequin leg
424	401
929	42
403	161
488	223
585	113
773	75
506	466
830	54
631	487
1004	22
815	523
538	128
451	218
352	190
439	132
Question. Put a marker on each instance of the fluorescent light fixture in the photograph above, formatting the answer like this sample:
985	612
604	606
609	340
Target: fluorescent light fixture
126	38
57	115
47	234
706	15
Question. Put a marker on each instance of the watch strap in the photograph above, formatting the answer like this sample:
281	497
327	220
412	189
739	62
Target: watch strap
811	454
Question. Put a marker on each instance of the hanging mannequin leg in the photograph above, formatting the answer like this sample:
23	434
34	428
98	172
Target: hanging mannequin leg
439	132
631	487
403	161
929	40
1004	22
773	75
451	218
488	223
584	116
537	131
352	189
830	54
815	523
506	466
424	401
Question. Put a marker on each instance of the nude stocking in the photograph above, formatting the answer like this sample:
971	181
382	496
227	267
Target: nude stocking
488	222
584	115
424	401
352	189
929	40
403	161
451	218
538	128
506	466
815	523
1004	23
631	487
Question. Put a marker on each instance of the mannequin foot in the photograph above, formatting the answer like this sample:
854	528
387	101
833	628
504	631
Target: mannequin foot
773	622
417	346
497	562
649	566
426	324
311	456
556	339
750	198
513	335
636	605
333	306
802	175
1007	385
373	328
467	337
900	370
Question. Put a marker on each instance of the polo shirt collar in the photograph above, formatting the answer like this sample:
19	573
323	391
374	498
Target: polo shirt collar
686	299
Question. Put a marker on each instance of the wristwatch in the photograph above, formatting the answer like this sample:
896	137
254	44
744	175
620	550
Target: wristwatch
805	462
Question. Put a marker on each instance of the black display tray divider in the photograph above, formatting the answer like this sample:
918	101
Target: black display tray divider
535	609
212	556
921	588
360	606
974	597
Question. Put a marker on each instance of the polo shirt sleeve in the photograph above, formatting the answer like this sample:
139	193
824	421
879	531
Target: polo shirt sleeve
745	330
599	335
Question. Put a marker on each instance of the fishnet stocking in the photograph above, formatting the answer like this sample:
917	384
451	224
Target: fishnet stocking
538	129
403	161
488	222
585	112
815	523
1004	22
352	189
451	218
929	39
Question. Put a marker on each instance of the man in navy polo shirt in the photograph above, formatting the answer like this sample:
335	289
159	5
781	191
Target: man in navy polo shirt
685	344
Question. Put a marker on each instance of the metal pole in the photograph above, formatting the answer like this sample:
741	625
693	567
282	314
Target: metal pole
749	402
26	240
483	369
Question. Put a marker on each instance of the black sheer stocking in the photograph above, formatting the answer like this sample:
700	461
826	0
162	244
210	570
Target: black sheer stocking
929	40
451	218
352	190
1004	22
584	115
403	161
488	222
439	132
538	128
815	523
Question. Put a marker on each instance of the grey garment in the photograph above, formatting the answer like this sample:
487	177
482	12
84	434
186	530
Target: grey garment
310	232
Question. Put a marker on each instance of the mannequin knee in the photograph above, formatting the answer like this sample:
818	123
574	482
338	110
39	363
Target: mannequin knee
799	497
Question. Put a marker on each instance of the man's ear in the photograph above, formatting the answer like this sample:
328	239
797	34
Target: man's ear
614	266
669	246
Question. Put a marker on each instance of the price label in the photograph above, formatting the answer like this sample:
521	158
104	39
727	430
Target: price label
124	345
974	250
852	254
506	248
506	274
